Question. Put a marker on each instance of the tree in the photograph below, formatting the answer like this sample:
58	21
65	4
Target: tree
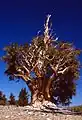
23	97
1	94
3	98
76	108
54	63
12	99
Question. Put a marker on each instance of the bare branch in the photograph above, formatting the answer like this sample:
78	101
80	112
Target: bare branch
55	39
57	66
26	69
28	63
63	71
46	32
34	66
50	59
22	76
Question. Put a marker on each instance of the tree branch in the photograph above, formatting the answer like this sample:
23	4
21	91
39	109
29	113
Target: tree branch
57	66
26	69
22	76
63	71
51	58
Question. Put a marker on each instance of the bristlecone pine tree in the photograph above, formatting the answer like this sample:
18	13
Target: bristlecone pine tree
49	67
23	98
12	99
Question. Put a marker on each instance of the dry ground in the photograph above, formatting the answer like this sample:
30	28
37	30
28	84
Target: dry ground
24	113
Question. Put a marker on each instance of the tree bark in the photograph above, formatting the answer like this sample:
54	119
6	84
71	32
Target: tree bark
39	90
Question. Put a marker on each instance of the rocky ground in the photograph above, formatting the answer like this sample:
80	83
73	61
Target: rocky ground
28	113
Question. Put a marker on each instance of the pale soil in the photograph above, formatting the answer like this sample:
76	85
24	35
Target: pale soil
24	113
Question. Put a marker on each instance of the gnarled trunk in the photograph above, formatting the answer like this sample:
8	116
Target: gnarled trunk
40	90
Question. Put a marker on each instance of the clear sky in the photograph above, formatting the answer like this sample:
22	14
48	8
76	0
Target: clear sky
20	20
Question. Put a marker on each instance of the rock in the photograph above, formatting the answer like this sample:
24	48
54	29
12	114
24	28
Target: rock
48	119
30	113
6	116
50	104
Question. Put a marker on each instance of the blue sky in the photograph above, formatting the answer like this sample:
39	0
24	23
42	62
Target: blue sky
20	20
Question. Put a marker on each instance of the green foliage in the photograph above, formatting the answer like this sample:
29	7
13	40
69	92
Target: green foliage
65	89
12	99
23	97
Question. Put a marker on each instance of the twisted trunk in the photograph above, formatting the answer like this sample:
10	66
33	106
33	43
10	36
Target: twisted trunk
40	90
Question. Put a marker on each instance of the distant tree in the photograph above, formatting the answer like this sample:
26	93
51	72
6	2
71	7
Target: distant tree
55	65
23	97
3	99
76	108
1	94
12	99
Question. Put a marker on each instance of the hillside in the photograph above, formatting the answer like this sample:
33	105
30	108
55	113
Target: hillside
24	113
